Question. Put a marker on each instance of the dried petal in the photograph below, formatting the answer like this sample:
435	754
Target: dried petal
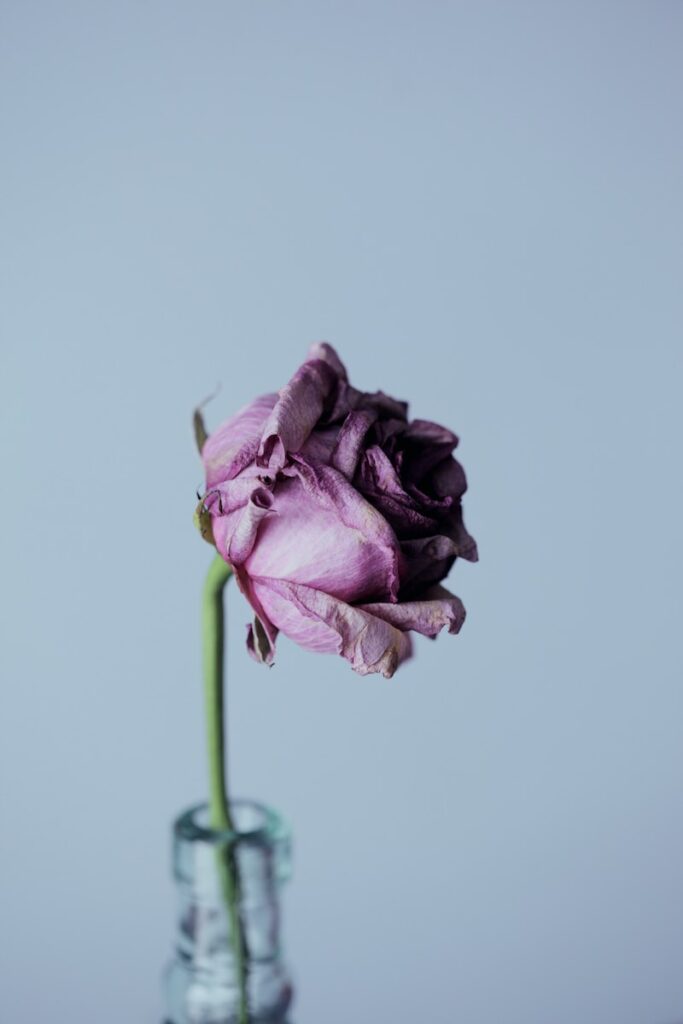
323	623
435	610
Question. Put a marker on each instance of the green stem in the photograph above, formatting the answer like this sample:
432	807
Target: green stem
220	818
213	630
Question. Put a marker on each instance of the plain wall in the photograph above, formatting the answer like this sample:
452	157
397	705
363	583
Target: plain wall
480	206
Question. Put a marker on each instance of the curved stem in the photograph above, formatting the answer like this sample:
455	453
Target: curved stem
213	636
220	818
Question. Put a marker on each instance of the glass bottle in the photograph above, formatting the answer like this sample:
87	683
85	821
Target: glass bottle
201	982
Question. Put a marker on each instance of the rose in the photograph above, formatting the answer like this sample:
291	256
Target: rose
339	517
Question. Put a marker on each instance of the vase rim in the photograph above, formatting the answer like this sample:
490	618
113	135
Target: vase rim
269	828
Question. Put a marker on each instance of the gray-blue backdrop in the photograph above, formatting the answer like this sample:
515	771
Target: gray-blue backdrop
480	206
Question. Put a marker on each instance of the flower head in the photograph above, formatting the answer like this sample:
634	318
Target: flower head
339	515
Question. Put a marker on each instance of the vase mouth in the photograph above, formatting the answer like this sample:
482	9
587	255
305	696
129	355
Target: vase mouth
255	823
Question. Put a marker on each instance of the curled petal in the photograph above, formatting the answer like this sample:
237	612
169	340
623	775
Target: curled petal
234	444
436	609
243	537
299	407
230	495
323	623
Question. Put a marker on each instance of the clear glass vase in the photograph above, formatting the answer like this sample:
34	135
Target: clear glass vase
201	982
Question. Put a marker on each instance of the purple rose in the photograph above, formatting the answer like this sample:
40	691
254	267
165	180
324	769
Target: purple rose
339	517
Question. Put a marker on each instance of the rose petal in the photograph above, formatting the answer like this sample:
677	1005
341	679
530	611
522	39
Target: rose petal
349	446
324	534
436	609
230	448
430	433
340	407
232	494
320	445
405	520
465	543
426	560
323	350
320	622
243	537
378	402
378	480
435	506
388	433
448	478
379	474
299	407
426	445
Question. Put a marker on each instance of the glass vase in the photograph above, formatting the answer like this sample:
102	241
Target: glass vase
201	982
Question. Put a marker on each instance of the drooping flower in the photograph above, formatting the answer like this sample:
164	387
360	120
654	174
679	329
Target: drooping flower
339	516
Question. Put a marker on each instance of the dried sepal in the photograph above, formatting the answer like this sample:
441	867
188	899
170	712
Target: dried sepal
203	520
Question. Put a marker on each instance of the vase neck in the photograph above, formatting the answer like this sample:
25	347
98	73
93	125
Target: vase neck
259	853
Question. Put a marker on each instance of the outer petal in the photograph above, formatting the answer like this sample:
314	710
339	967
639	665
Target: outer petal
436	609
234	444
323	534
323	623
299	406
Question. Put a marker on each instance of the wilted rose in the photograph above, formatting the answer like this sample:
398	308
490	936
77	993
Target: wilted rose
339	516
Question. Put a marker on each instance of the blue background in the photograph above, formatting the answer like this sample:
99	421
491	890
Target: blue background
480	206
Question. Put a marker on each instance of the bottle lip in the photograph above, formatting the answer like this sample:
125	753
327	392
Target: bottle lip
264	825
